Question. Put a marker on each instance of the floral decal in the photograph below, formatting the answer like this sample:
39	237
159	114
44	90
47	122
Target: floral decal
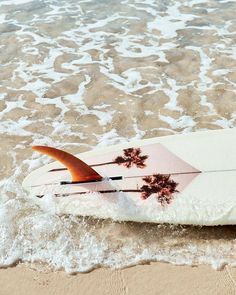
131	157
162	185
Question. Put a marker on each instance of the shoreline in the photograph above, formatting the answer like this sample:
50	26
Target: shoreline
155	278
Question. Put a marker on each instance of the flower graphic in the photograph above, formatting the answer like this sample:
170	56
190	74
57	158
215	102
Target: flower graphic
162	185
131	157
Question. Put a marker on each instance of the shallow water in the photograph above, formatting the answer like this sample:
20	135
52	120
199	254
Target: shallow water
79	74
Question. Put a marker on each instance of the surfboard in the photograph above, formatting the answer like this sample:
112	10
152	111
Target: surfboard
178	179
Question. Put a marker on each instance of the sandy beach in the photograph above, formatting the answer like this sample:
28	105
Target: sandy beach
83	74
156	278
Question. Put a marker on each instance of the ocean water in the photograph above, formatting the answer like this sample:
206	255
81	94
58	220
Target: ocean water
81	74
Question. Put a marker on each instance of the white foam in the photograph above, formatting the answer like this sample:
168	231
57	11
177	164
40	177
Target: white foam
172	93
184	122
15	128
173	21
2	17
13	2
221	72
128	81
31	233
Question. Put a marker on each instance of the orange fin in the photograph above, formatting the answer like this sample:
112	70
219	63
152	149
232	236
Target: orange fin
79	170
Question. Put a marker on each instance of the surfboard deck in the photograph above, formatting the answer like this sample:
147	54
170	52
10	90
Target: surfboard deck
178	179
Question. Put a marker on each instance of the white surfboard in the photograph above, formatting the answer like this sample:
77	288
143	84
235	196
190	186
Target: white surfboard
179	179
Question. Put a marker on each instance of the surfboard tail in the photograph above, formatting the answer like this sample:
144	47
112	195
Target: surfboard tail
79	170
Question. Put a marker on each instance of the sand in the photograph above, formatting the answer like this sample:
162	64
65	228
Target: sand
156	278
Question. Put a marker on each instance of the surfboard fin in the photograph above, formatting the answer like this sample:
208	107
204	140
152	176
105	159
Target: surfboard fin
79	170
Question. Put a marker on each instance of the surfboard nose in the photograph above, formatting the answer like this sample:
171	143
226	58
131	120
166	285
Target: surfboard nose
79	170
